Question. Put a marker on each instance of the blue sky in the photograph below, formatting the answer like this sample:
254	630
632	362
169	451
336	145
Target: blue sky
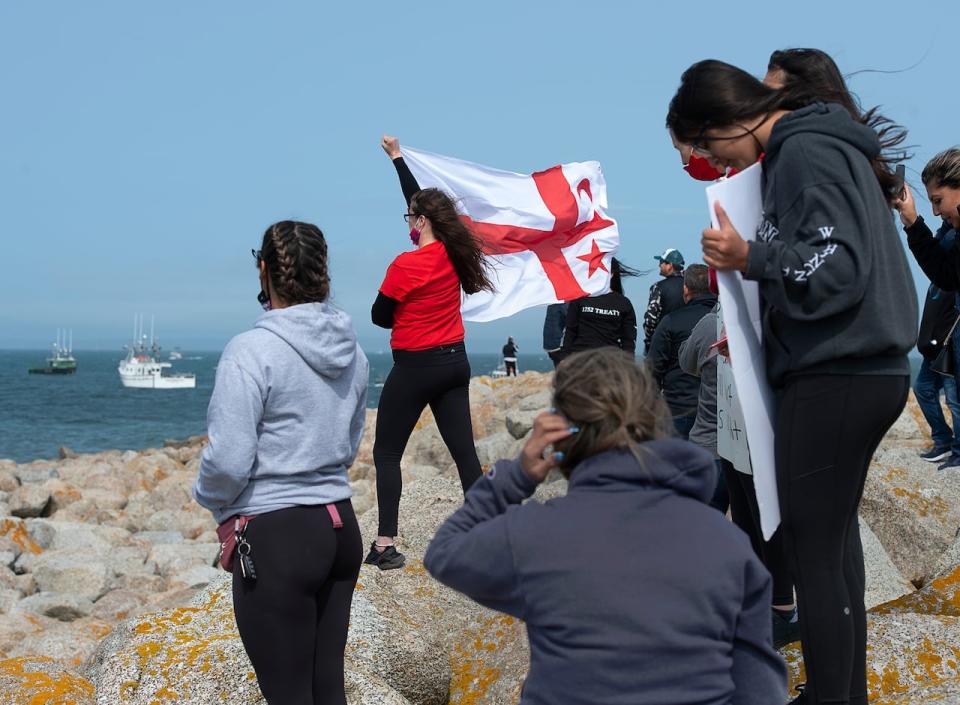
145	147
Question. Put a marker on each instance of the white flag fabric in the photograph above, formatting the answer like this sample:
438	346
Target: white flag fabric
546	237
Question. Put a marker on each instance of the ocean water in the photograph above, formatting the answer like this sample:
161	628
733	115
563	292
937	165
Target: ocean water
91	411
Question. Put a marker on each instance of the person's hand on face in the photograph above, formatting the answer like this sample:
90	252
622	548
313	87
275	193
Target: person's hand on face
723	248
548	428
391	145
907	207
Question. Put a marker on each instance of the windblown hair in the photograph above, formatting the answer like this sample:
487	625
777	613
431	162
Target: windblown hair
463	247
618	270
943	169
715	94
612	399
296	257
696	278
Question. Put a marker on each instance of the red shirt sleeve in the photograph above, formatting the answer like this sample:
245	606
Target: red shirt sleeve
399	281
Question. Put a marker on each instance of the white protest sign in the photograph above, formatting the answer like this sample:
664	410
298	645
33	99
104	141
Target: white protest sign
741	198
731	430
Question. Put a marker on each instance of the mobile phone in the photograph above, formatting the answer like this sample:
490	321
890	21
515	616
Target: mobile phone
899	178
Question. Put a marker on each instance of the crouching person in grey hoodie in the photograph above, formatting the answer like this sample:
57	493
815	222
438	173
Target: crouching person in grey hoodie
633	589
284	424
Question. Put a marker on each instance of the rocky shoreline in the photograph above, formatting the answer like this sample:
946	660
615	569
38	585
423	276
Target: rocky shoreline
108	593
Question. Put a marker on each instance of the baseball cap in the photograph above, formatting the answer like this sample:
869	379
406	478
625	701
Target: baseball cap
671	256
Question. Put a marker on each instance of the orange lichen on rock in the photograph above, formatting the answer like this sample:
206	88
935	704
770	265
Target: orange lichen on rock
940	597
170	643
15	530
42	681
472	674
921	504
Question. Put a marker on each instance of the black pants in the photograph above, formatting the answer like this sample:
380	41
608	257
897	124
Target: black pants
293	618
746	514
511	366
439	377
827	429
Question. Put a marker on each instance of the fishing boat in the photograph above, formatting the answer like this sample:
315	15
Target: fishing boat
62	361
141	369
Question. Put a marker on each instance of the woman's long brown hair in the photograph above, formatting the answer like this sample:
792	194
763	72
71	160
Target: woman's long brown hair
462	245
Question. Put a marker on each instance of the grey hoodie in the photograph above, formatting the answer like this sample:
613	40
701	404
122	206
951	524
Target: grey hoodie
697	358
834	280
286	414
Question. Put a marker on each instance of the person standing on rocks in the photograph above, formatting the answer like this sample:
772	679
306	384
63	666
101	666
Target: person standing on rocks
275	469
510	357
419	301
840	316
941	178
698	357
681	390
602	320
591	640
666	295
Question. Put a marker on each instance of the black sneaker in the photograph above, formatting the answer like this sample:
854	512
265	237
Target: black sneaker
936	453
387	559
786	629
952	462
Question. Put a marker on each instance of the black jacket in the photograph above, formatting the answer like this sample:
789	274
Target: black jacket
599	321
554	322
680	390
836	289
939	307
683	616
665	296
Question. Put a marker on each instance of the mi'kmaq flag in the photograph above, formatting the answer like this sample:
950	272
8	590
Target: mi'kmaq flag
545	235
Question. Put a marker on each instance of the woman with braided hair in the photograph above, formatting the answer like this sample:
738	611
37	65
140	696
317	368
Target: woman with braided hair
633	589
284	422
419	301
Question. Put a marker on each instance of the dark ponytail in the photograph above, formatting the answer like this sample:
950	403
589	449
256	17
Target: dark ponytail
296	257
618	270
715	94
462	245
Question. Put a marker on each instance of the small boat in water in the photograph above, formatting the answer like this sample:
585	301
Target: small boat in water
62	361
141	368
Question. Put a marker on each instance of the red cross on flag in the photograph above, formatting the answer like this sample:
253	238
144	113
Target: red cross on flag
545	235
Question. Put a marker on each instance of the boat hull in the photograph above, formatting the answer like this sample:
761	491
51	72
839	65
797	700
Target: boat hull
52	370
158	382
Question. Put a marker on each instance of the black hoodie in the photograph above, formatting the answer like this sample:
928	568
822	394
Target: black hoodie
834	281
633	589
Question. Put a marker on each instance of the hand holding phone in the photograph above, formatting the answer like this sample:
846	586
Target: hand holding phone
900	176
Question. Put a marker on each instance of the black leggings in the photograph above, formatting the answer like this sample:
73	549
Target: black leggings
293	618
827	429
746	514
439	377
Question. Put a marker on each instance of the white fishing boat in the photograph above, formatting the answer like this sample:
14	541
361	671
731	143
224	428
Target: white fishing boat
141	368
175	354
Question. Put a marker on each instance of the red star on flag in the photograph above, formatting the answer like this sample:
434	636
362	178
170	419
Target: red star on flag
595	259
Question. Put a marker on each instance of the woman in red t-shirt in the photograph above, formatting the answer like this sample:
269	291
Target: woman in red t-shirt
420	301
